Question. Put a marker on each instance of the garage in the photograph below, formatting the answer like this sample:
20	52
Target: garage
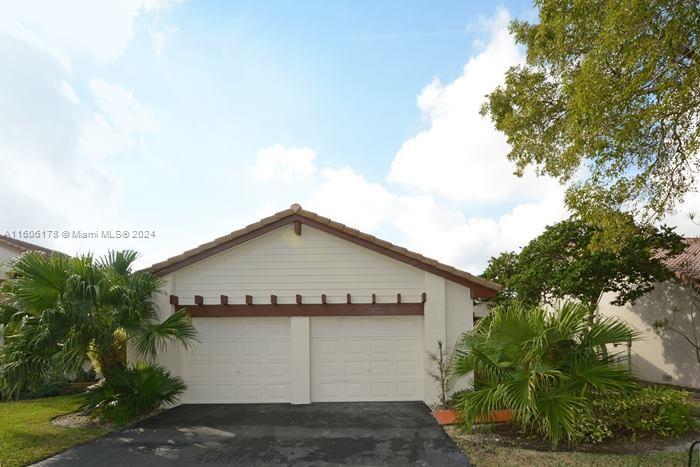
297	308
239	360
366	359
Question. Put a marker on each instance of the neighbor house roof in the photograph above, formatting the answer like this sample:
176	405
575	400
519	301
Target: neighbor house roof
295	214
21	246
687	264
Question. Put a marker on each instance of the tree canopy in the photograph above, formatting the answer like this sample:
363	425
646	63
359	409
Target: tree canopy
609	90
559	264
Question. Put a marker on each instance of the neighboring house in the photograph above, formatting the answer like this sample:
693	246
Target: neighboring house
11	248
298	308
666	356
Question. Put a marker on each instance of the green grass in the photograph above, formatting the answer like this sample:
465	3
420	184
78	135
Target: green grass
26	432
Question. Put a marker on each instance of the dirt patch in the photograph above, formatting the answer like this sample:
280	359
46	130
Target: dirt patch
76	420
505	435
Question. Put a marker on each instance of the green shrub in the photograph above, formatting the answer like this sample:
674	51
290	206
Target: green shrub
126	393
544	366
651	410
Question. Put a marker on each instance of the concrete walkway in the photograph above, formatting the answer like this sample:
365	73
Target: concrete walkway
374	433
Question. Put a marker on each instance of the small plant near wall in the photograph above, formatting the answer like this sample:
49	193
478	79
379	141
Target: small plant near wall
440	370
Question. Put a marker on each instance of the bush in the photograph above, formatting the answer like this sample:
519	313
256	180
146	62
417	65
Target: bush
651	410
127	393
51	389
541	365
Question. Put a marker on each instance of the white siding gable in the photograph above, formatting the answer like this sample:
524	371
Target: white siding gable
285	264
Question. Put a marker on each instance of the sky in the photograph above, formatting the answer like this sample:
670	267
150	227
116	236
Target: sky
189	119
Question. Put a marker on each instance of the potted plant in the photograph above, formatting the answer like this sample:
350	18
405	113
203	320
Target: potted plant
441	371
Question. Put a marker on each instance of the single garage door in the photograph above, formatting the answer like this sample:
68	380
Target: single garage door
367	358
239	360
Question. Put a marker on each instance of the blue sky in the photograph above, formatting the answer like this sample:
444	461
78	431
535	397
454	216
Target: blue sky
194	118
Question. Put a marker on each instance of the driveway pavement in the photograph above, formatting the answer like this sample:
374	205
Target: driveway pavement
374	433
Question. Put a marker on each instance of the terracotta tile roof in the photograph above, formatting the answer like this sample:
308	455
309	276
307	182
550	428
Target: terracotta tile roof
480	287
21	246
687	264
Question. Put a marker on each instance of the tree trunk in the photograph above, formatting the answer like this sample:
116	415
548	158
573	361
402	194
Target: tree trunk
111	357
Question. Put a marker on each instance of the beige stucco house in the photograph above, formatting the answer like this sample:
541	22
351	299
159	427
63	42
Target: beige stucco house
666	356
297	308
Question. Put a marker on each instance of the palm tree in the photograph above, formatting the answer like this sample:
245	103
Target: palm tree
59	311
541	365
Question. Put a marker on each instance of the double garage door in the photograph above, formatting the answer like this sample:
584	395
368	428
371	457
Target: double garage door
246	360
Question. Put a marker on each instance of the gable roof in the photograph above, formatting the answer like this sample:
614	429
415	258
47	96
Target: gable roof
21	246
687	264
480	287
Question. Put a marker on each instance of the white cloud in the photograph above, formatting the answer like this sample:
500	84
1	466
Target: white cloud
47	179
120	118
459	160
348	197
461	156
160	38
426	224
69	93
681	218
100	29
279	161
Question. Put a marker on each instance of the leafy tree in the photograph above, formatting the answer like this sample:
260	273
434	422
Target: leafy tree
612	88
59	311
542	366
559	264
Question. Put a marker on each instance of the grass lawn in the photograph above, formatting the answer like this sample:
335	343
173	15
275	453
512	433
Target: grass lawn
26	432
490	452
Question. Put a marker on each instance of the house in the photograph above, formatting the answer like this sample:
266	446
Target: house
11	248
298	308
666	356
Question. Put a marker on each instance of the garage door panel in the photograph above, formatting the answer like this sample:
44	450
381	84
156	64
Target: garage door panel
382	390
276	349
384	363
383	326
203	329
407	389
239	360
356	349
199	391
224	370
379	369
406	347
356	390
381	348
406	369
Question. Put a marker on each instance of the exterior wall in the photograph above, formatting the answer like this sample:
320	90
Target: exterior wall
285	264
5	255
460	319
666	357
449	312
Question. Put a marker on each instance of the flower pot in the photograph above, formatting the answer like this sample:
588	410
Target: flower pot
445	416
496	416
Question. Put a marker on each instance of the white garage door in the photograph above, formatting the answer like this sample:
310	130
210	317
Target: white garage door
367	358
239	360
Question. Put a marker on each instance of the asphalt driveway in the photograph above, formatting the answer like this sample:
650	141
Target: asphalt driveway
374	433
